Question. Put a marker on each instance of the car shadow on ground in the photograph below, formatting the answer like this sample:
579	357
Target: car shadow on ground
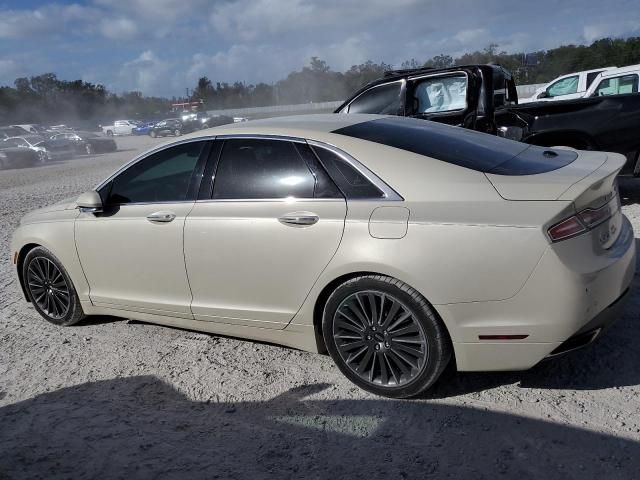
141	427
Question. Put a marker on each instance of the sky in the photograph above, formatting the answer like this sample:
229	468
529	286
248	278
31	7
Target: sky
161	47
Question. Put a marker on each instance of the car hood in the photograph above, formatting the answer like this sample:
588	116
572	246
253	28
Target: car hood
44	213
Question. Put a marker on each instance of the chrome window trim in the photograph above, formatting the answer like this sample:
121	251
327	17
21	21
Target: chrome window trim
148	153
402	83
389	194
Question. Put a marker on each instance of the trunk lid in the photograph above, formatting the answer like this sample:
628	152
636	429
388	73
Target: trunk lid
588	181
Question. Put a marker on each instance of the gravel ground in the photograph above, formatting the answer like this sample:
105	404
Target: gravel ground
110	398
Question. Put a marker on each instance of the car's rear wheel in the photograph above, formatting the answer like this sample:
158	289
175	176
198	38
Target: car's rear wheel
153	134
177	132
50	289
109	133
88	149
384	336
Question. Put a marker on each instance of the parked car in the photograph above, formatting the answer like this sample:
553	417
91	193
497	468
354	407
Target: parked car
484	98
31	128
120	127
566	87
11	131
169	126
143	128
88	143
367	221
18	157
35	143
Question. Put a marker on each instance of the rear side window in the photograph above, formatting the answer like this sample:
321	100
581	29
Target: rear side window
253	168
618	85
383	99
478	151
351	182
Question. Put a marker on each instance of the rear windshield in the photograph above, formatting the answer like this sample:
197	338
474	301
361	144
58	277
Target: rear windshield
478	151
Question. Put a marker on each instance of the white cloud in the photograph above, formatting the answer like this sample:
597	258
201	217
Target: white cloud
53	18
147	73
597	31
118	28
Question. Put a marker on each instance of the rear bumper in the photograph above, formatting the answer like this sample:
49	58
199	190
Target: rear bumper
571	297
592	330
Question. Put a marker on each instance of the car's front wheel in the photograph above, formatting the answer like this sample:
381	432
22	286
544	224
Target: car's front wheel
88	149
177	132
153	134
50	289
384	336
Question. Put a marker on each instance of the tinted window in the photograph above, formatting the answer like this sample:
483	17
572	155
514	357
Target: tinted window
618	85
261	169
383	100
441	94
592	76
161	177
566	86
324	187
466	148
353	184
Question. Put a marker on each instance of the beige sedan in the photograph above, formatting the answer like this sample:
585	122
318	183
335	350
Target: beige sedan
396	245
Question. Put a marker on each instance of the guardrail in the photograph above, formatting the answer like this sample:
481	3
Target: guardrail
277	110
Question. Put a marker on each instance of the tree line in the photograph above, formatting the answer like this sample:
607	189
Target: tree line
48	99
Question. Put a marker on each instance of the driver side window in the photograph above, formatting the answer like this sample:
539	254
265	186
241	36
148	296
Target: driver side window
161	177
566	86
441	94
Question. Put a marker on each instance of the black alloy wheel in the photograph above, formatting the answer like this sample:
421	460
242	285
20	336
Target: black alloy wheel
50	289
385	337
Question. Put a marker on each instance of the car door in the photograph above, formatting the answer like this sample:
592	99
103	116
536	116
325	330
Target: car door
132	252
256	243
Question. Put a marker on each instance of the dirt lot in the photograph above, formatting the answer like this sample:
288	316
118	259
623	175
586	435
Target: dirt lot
111	398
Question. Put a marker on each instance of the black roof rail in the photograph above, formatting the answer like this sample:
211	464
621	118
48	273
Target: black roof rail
405	71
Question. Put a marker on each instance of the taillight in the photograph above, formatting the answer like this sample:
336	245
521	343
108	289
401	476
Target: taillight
569	227
592	217
583	221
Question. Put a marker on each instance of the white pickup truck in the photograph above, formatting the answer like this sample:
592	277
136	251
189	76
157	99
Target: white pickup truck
567	87
119	127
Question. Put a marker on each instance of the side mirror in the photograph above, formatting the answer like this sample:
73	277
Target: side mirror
544	94
90	202
512	133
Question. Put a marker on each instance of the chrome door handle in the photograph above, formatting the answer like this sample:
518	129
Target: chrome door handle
161	217
299	219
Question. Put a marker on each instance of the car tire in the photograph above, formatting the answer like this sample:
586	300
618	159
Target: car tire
42	157
385	337
153	134
177	132
204	126
88	149
50	288
109	133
